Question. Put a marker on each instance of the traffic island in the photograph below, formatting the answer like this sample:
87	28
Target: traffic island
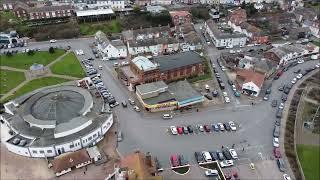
181	170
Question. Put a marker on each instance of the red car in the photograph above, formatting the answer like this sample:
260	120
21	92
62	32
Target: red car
180	130
174	160
207	128
276	152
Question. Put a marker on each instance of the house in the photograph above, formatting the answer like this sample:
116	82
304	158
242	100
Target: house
192	42
302	14
249	81
21	10
47	12
110	49
180	17
238	16
155	9
147	33
65	163
224	39
161	2
166	67
142	2
94	4
139	166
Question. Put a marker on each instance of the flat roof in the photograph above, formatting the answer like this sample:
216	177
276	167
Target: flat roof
182	90
144	63
169	62
151	87
161	98
94	12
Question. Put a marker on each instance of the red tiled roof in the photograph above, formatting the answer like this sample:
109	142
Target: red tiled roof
179	13
251	76
69	160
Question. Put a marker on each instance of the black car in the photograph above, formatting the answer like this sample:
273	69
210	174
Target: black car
227	126
226	153
182	160
215	127
297	71
276	77
208	96
268	91
279	113
286	90
277	122
220	155
222	86
274	103
219	80
199	157
214	155
281	165
124	104
284	97
215	93
230	82
190	129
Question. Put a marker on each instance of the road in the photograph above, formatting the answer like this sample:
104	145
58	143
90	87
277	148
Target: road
149	132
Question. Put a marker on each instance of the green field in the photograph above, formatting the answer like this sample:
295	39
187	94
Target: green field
24	61
9	80
316	43
68	65
309	157
36	84
112	26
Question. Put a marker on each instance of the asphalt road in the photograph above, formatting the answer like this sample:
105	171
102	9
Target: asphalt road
149	133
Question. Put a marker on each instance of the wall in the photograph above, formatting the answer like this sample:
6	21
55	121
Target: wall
35	152
23	151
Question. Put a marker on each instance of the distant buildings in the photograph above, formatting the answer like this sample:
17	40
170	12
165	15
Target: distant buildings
110	48
180	17
107	4
222	38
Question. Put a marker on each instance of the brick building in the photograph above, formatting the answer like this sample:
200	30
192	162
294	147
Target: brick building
167	68
180	17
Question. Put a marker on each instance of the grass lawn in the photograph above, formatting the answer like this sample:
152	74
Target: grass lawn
68	65
309	157
317	43
9	80
112	26
181	170
24	61
36	84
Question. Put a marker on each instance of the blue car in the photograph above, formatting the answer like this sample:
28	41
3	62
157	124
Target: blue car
215	127
237	94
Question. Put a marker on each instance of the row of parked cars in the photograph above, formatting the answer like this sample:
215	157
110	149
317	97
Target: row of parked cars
228	126
225	156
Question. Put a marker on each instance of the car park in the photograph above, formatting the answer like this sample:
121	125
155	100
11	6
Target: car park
275	142
199	157
233	153
211	172
232	126
174	130
174	160
226	163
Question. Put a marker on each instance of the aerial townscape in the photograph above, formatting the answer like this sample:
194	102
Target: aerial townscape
160	89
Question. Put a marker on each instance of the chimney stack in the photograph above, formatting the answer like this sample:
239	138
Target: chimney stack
148	159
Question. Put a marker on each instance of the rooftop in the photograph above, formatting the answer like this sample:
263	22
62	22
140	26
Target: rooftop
151	87
144	63
251	76
214	27
94	12
68	160
169	62
179	13
182	90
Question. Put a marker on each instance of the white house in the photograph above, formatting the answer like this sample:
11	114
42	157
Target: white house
250	82
222	39
154	46
113	4
113	49
161	2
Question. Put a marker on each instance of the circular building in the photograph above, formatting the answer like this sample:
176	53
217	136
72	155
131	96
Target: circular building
53	120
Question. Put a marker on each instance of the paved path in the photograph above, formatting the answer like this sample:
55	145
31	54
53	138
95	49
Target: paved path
58	59
12	69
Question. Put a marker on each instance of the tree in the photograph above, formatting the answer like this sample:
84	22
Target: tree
136	9
30	52
51	50
9	53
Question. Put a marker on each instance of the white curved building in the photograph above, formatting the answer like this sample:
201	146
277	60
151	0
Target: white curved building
53	120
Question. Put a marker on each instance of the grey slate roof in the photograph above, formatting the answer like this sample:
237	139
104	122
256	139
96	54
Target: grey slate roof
170	62
182	90
149	87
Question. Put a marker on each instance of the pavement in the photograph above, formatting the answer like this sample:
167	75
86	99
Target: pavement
149	132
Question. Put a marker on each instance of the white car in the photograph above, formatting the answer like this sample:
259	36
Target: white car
318	65
100	67
275	142
226	163
124	63
136	108
213	65
225	94
221	127
223	68
174	130
115	64
232	51
239	50
81	52
281	106
233	153
211	172
232	126
294	80
300	61
227	99
234	87
53	41
286	177
299	76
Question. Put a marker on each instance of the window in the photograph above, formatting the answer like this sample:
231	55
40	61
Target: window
95	135
49	151
90	138
34	152
71	146
41	151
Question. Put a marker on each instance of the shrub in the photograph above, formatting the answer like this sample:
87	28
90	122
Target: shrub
51	50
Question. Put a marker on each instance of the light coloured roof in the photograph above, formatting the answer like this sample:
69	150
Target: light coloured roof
94	12
144	63
151	87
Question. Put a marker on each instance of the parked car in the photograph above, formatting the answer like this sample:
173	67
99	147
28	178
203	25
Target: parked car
207	128
206	155
119	136
276	131
297	71
215	93
232	126
167	116
124	104
281	165
268	91
279	113
227	126
274	103
131	101
211	172
266	97
180	130
227	99
174	160
214	155
52	41
281	88
226	163
174	130
208	96
199	157
200	127
286	177
226	153
276	152
233	153
221	127
215	127
136	108
185	130
190	128
220	155
275	142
